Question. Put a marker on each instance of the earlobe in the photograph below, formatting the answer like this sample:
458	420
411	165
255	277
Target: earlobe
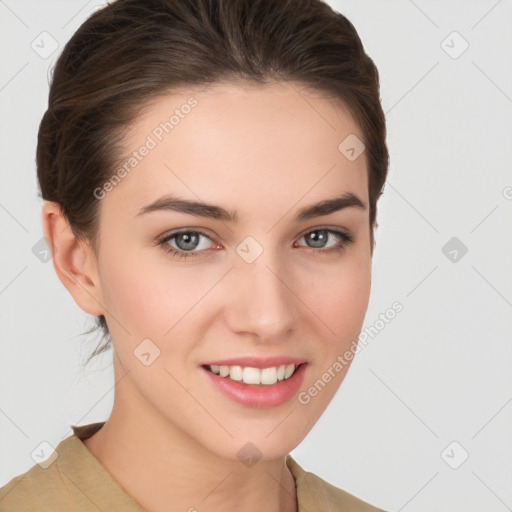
74	260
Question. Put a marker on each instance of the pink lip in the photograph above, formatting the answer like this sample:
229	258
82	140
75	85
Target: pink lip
260	395
257	362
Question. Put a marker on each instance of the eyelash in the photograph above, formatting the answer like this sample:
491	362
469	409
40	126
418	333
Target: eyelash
345	240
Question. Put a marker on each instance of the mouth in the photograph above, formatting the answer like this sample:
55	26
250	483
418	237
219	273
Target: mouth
261	377
248	386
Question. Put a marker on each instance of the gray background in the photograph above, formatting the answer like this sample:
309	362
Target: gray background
438	373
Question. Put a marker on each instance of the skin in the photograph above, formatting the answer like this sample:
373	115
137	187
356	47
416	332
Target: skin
265	151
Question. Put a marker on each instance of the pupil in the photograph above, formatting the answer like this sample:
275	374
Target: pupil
319	238
189	239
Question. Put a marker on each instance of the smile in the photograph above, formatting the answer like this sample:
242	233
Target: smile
256	387
250	375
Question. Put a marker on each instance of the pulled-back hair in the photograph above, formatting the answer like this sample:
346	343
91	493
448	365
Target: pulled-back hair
132	51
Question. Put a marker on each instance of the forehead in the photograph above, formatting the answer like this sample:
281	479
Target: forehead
233	141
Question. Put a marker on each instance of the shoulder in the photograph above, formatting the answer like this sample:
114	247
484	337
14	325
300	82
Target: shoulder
47	486
58	483
314	492
71	479
24	492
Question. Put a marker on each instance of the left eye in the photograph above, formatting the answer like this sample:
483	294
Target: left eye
187	241
319	236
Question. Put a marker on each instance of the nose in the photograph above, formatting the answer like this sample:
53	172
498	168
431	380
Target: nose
262	299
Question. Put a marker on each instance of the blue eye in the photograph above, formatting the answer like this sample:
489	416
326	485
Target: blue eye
187	240
322	234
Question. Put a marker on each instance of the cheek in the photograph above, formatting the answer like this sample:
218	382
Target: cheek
340	299
129	293
148	296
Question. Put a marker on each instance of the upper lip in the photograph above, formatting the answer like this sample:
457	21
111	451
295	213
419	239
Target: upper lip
257	362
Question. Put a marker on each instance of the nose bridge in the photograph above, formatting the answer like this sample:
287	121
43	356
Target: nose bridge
263	303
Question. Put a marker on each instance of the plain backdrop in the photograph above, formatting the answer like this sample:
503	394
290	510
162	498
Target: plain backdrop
422	421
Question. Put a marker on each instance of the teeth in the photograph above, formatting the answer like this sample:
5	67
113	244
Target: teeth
289	370
269	375
248	375
235	372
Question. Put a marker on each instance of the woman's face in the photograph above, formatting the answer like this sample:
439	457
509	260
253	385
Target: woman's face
269	282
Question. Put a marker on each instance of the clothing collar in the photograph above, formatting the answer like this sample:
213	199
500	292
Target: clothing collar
94	477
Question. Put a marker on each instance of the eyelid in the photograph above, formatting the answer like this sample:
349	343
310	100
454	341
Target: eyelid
327	228
336	231
192	229
205	232
173	233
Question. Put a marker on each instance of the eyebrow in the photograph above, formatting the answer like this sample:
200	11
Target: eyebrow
325	207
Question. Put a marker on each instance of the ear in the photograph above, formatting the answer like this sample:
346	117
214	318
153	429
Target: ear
74	261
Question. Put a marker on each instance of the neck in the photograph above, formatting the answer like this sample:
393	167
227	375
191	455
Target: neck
164	470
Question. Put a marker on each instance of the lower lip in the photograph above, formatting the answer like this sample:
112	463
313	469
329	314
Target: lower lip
252	395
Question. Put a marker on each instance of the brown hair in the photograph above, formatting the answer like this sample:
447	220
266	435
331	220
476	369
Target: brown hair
132	51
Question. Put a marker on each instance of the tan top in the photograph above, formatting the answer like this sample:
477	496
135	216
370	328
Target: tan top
77	482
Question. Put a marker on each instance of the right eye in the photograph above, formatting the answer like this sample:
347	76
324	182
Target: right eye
186	241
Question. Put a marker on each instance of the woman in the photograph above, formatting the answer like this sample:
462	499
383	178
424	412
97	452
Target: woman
210	171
